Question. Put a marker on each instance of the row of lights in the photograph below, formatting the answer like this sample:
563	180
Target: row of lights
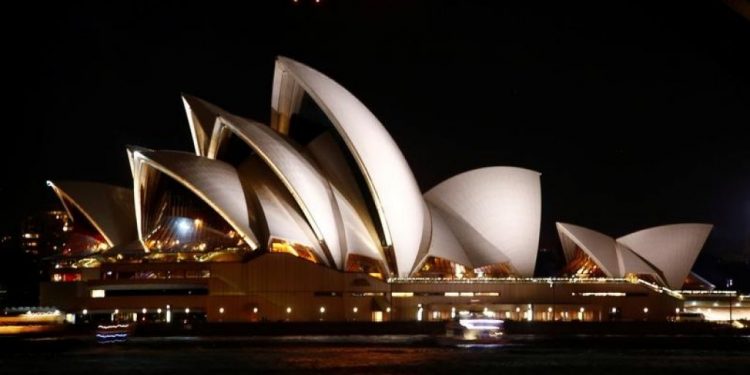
221	310
158	310
354	310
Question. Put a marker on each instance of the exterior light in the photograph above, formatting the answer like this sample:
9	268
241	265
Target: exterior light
184	226
677	310
388	309
187	310
549	309
221	310
518	309
355	309
169	307
255	310
322	309
158	311
288	310
84	312
144	310
645	310
117	311
582	309
614	310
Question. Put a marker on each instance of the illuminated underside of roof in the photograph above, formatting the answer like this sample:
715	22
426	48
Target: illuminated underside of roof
214	182
108	208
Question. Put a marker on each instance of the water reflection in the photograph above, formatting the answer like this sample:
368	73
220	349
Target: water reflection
379	354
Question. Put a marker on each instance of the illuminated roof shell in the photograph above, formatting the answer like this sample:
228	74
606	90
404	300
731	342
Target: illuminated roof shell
495	213
310	189
215	182
667	252
402	212
443	243
672	248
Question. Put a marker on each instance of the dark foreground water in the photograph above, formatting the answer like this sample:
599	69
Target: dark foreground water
379	354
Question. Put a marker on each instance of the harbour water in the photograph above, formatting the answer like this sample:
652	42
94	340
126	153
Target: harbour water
384	354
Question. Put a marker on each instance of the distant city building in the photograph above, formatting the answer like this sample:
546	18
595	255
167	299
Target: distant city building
256	224
44	234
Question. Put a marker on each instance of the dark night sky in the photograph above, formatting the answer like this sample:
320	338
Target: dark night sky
634	112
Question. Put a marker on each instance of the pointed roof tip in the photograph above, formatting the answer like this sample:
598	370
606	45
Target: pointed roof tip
189	99
574	227
59	183
134	148
194	101
708	226
186	98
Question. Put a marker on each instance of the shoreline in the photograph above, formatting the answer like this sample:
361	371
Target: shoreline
433	329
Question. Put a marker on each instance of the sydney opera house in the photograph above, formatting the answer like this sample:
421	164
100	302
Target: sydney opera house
319	217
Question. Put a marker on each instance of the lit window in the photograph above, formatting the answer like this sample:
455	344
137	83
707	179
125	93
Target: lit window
97	293
402	294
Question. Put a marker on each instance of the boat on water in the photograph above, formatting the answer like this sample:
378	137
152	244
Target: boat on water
30	320
474	329
112	333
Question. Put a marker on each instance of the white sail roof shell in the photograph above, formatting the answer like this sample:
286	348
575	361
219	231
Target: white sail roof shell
495	213
443	243
667	252
279	215
401	210
671	248
215	182
310	189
